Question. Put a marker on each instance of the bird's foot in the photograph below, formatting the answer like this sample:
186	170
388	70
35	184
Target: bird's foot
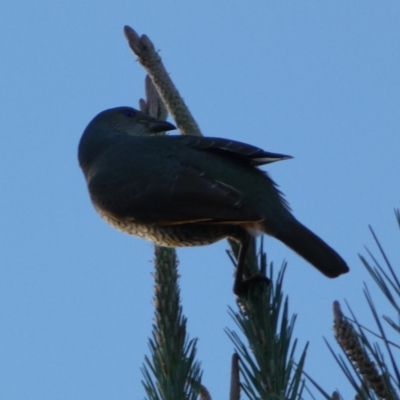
242	286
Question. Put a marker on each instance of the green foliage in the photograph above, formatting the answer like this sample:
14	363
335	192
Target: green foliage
267	363
372	366
267	366
172	373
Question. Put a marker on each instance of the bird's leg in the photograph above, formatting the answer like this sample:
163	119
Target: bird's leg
238	286
241	285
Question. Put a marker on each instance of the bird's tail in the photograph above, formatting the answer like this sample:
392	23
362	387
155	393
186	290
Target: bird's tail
313	249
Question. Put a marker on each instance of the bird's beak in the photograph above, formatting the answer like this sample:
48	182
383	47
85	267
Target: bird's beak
156	126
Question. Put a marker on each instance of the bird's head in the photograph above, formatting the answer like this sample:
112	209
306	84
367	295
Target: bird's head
129	121
111	127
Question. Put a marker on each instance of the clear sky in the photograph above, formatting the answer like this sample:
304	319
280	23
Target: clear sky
316	80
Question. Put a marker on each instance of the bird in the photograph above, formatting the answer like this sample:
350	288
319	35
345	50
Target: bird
182	190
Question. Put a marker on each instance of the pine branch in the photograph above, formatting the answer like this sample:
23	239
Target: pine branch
177	376
151	62
172	373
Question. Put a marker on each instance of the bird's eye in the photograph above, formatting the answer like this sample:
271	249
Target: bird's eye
129	113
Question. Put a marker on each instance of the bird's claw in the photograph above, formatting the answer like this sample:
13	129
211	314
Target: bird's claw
241	287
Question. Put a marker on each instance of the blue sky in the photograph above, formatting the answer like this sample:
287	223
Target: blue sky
317	80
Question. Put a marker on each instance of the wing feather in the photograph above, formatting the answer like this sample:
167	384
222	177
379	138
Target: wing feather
187	196
251	154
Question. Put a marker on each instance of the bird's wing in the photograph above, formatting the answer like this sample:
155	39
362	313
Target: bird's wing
245	152
185	196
